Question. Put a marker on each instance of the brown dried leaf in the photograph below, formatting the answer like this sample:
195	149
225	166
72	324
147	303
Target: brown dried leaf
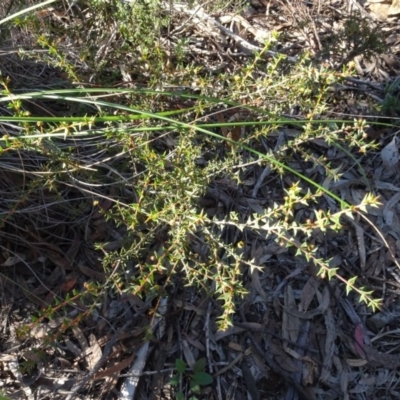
361	244
290	323
308	293
329	347
232	133
249	380
80	337
281	357
32	356
91	273
103	206
380	10
189	357
74	248
256	283
394	8
13	260
390	155
76	351
236	347
31	296
390	213
365	384
94	352
377	359
358	362
232	330
190	307
194	342
68	285
114	368
58	259
308	373
344	379
260	254
255	205
323	299
305	315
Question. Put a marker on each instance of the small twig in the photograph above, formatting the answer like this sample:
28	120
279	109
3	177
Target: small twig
129	386
207	332
363	82
147	373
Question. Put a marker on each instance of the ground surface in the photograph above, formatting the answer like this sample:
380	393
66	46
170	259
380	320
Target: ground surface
294	335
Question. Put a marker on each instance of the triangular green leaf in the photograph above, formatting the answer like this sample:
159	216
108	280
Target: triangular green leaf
202	378
180	365
199	365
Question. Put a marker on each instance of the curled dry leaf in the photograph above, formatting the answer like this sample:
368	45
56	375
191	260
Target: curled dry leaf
394	9
13	260
308	293
290	323
390	155
94	352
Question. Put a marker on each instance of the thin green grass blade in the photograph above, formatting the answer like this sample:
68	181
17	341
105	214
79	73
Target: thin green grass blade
183	125
26	10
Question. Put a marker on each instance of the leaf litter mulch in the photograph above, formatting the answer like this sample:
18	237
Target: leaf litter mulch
294	335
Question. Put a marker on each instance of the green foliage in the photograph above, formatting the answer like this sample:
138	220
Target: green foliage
390	105
362	37
355	37
196	377
157	151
